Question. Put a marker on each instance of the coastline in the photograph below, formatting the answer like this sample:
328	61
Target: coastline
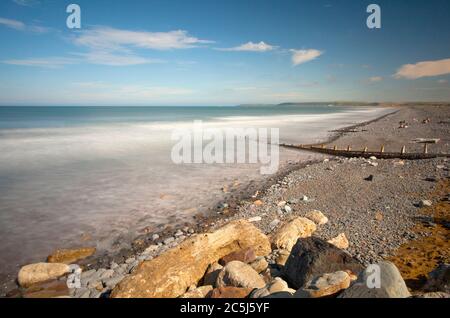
244	206
218	215
203	222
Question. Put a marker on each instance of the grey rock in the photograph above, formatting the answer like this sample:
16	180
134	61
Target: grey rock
169	240
107	274
391	284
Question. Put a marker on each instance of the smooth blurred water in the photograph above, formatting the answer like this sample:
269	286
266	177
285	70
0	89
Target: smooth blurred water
67	173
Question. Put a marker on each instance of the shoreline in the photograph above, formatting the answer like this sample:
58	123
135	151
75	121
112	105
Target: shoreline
244	202
244	193
203	221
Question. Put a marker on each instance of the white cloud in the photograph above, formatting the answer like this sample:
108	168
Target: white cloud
27	3
107	38
251	47
375	79
303	56
51	62
20	26
13	24
111	59
424	69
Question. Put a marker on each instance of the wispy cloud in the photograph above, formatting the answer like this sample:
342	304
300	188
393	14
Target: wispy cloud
20	26
375	79
13	24
303	56
27	3
116	47
423	69
250	47
111	59
107	38
442	81
51	62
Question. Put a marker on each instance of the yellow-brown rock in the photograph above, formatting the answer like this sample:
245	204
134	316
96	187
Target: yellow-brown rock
286	237
171	274
40	272
69	256
230	292
340	241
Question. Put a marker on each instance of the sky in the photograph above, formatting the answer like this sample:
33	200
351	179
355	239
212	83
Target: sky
222	52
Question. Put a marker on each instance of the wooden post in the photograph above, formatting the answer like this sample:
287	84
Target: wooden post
425	148
365	149
349	148
335	148
382	149
403	150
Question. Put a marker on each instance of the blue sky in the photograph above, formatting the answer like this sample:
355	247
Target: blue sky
222	52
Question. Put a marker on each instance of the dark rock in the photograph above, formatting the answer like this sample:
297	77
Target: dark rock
311	257
369	178
439	279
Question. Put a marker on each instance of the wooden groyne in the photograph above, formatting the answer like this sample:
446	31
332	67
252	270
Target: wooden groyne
365	153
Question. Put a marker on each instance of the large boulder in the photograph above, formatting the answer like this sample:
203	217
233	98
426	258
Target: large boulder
325	285
286	237
41	272
239	274
312	257
170	274
391	283
69	256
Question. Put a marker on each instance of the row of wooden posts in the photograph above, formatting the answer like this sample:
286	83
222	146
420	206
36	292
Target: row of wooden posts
403	150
